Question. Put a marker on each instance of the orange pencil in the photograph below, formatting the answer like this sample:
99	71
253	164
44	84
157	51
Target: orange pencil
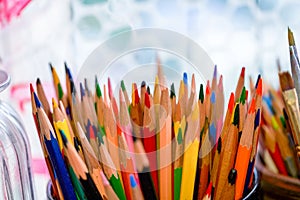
244	151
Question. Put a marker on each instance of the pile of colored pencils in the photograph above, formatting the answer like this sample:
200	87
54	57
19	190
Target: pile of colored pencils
156	146
280	139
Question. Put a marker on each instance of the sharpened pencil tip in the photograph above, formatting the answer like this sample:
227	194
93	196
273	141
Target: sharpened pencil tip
259	87
147	100
201	93
31	88
121	96
257	80
236	115
243	72
231	102
38	81
185	78
243	96
54	103
123	85
37	101
172	91
207	91
257	119
143	84
291	37
215	71
148	90
51	66
66	67
82	92
64	137
132	181
98	89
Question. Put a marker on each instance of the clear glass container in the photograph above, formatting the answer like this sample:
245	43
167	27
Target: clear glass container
16	180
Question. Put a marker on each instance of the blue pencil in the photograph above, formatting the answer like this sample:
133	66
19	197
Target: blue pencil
54	152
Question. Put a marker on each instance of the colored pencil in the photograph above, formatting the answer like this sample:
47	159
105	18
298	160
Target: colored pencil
47	133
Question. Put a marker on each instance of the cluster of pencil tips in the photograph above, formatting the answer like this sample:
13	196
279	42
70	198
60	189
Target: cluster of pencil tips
156	146
280	139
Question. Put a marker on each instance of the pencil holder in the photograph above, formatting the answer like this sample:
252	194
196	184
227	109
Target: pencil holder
254	193
16	181
276	186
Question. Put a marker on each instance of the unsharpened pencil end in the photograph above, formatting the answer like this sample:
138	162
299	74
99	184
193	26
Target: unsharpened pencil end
291	37
132	181
286	81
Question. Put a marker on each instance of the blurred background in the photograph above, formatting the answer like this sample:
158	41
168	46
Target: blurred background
234	33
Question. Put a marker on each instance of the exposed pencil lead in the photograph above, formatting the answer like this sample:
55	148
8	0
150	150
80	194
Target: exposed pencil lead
31	88
82	92
215	71
201	93
257	80
172	91
148	90
38	81
236	115
37	101
143	84
185	78
123	85
231	102
51	67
